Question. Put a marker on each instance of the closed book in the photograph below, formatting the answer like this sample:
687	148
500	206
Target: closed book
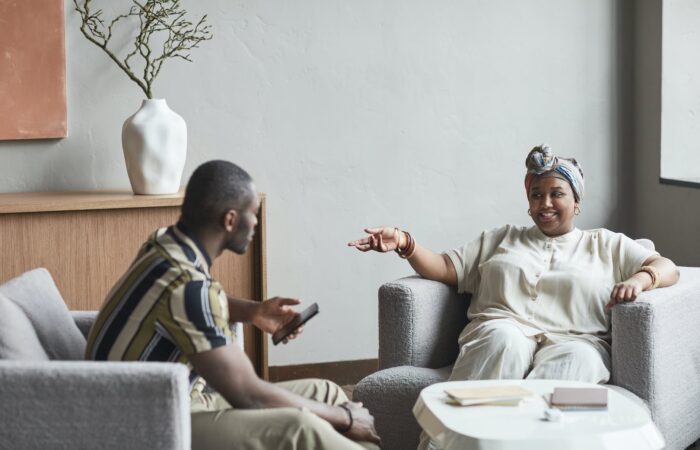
488	395
579	398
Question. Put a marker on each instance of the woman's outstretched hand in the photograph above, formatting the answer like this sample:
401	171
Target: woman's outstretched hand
380	239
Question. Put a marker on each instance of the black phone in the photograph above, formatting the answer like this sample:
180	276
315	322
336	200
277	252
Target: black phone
292	326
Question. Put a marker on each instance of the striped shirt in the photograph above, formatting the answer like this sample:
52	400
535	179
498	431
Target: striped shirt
164	308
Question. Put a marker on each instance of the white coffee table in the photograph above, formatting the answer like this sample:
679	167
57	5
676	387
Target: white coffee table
626	424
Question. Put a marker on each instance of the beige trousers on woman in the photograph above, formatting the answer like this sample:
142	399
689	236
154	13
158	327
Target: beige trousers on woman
218	426
499	349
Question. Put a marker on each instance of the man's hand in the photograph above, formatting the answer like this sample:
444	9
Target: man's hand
271	315
362	429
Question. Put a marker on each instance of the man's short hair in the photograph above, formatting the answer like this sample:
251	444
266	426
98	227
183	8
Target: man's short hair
214	188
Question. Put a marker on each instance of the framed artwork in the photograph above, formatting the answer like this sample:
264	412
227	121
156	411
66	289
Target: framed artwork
32	70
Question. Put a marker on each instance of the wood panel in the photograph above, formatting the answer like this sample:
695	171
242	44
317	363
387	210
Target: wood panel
27	202
87	249
340	372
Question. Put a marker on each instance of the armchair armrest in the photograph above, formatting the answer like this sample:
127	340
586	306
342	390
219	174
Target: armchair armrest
419	323
656	354
106	405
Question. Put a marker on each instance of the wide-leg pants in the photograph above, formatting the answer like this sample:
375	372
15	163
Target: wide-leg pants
500	349
218	426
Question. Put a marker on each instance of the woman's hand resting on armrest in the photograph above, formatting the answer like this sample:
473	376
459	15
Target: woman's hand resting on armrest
656	266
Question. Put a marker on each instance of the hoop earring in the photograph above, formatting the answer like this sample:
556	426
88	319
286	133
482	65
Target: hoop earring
528	212
577	210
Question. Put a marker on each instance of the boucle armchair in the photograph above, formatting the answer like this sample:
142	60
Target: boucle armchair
655	355
49	398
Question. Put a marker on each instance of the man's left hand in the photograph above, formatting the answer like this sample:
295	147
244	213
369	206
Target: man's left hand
276	312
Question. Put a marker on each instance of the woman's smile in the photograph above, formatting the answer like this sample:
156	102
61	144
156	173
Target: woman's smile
552	205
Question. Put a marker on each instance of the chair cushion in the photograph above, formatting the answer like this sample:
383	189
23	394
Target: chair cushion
36	294
18	340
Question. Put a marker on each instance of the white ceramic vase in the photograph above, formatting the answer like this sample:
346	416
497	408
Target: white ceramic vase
154	140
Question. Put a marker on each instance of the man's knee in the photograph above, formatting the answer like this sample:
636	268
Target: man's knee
331	389
302	427
321	390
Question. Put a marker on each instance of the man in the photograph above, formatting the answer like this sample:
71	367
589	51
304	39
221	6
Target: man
167	308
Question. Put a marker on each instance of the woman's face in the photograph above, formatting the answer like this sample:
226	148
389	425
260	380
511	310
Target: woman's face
552	204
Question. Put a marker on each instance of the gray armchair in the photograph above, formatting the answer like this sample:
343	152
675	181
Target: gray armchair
51	398
655	353
89	405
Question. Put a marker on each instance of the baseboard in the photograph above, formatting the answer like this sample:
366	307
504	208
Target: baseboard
340	372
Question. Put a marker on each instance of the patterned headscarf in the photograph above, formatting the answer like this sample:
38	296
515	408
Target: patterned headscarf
541	161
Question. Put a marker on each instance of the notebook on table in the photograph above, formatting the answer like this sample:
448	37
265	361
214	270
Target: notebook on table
487	395
579	398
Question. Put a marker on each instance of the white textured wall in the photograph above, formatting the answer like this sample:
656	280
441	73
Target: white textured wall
355	113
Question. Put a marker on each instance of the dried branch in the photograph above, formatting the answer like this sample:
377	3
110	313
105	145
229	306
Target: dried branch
158	20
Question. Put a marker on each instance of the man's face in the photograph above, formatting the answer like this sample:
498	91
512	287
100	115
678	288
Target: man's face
239	239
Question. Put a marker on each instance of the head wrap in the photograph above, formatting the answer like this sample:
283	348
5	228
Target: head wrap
541	161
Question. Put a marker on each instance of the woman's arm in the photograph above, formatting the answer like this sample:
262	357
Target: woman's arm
433	266
668	272
428	264
628	290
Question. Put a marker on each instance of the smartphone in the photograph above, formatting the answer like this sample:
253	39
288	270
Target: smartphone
292	326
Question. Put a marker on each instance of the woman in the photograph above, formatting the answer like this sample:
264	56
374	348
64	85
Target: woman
540	295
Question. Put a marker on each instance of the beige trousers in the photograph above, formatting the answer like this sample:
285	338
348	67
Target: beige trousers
218	426
499	349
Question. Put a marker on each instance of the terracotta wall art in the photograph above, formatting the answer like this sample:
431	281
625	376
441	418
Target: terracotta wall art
32	69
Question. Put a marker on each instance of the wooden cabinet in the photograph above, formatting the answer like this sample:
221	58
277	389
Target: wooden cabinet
88	239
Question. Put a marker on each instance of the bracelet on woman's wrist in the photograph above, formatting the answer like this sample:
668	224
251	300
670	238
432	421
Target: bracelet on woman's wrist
399	239
402	252
347	410
654	274
410	247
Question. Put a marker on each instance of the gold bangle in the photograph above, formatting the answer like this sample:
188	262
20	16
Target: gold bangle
398	244
402	251
413	250
654	274
410	247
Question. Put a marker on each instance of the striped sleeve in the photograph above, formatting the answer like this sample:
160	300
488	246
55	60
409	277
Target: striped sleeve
199	313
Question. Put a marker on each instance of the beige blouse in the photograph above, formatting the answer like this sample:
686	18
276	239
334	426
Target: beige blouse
556	287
